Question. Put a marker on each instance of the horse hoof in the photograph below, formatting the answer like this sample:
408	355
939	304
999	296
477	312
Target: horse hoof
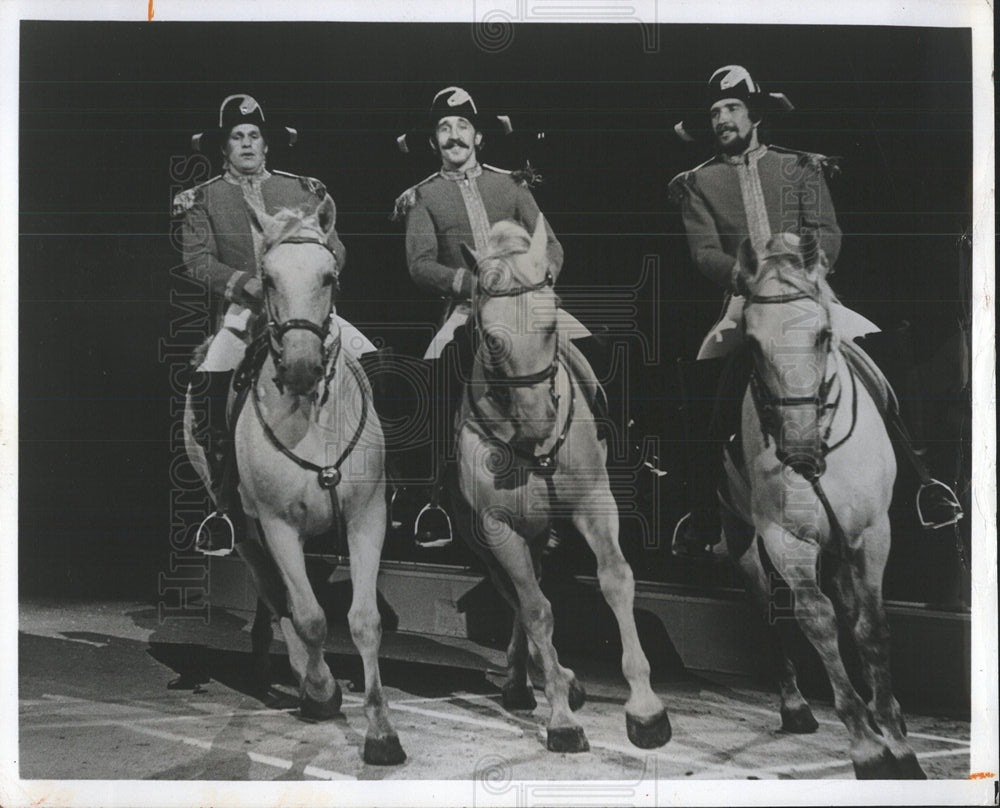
518	697
321	710
384	751
648	733
577	695
567	739
909	769
799	721
881	767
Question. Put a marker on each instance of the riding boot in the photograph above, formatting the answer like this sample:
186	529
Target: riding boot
433	527
713	393
937	505
218	532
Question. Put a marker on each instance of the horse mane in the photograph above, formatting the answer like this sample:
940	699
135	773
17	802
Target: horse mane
794	272
508	238
291	224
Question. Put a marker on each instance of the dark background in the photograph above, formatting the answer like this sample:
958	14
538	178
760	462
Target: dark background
106	107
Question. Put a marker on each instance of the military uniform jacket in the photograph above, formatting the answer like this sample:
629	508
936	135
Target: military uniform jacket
787	192
217	234
438	223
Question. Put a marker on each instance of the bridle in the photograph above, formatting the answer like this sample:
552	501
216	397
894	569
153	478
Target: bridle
497	381
769	406
499	384
276	330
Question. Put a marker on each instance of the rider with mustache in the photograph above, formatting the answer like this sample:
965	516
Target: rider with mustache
456	205
222	247
752	190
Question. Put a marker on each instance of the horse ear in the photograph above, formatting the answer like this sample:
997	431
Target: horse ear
746	263
471	259
326	215
539	240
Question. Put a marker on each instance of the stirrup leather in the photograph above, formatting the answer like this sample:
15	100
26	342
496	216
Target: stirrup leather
204	547
442	542
948	498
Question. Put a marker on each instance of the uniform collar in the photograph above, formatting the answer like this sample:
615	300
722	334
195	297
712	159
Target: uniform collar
455	176
235	178
747	157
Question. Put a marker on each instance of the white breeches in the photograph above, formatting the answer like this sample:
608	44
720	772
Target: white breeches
569	327
727	334
229	345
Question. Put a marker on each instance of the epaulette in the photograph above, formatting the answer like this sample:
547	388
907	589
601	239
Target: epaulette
527	177
406	200
680	185
184	201
310	184
830	166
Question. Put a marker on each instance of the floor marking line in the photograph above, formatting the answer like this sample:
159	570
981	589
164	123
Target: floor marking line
462	719
256	757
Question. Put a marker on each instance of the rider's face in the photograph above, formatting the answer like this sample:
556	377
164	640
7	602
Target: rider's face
245	148
456	140
731	124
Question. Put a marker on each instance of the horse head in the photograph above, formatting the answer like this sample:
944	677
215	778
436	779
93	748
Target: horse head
300	281
515	310
788	327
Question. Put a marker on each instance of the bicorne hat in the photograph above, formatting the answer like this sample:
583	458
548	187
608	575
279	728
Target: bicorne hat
453	101
731	81
238	109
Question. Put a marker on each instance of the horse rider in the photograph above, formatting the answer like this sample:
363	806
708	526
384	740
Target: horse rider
458	204
752	190
222	246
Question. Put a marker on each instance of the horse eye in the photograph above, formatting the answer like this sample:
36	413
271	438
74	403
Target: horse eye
268	282
327	280
824	336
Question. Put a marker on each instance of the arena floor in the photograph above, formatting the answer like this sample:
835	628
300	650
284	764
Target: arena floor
95	704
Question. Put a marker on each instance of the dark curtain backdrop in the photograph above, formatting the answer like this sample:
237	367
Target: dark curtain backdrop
106	107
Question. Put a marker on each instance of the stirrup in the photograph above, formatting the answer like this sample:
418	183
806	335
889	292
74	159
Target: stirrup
394	523
433	543
205	547
679	548
948	499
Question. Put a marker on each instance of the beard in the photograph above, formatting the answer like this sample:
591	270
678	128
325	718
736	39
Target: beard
737	145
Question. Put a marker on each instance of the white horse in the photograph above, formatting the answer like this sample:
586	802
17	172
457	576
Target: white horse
310	454
818	482
528	450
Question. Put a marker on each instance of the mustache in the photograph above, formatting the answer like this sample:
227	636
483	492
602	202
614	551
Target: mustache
454	141
725	127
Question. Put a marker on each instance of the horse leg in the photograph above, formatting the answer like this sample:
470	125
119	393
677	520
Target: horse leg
646	719
796	715
796	561
270	600
871	633
366	533
305	632
512	553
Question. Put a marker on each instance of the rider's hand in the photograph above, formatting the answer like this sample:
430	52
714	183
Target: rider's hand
253	294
